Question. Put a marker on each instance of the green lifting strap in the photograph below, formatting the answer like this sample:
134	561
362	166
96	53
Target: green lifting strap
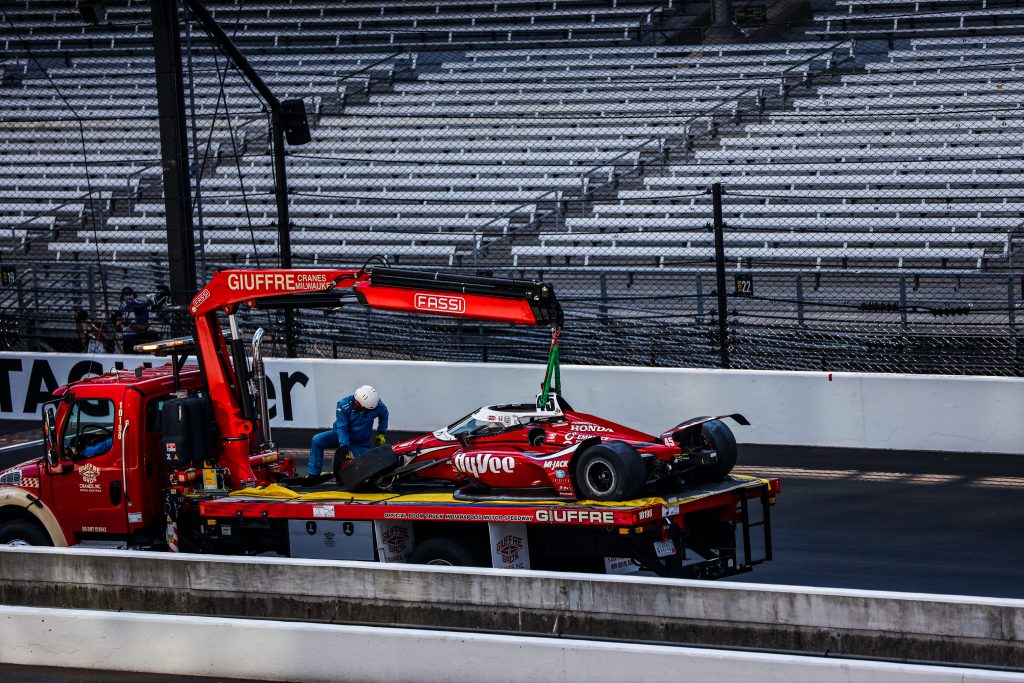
553	374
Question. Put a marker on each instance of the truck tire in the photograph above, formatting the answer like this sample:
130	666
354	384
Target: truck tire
718	436
613	470
22	532
367	467
447	551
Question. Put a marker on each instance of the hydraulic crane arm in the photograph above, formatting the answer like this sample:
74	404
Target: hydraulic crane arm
519	302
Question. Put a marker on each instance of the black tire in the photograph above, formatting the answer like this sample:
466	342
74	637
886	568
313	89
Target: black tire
613	470
367	467
22	532
448	551
718	436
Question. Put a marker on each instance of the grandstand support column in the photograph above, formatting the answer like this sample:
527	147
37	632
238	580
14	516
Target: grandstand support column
722	27
170	95
723	304
284	235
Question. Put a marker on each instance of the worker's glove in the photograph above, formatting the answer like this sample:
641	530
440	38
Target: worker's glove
343	453
379	440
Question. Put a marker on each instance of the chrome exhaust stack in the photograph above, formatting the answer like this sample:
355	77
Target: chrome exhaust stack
259	377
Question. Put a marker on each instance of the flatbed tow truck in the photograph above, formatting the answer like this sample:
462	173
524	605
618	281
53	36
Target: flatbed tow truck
191	465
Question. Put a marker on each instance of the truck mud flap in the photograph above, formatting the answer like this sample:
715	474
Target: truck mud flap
367	467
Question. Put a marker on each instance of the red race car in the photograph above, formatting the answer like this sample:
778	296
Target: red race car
520	450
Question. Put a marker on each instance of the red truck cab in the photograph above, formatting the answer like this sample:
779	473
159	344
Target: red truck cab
104	474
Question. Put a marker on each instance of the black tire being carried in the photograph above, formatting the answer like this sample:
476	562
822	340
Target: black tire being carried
453	552
718	437
366	467
613	470
22	532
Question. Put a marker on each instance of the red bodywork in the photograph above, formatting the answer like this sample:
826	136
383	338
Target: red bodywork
534	454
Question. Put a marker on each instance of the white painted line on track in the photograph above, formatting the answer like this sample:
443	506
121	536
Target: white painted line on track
926	479
20	445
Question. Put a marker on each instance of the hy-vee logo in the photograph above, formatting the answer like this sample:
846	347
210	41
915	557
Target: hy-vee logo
476	464
439	303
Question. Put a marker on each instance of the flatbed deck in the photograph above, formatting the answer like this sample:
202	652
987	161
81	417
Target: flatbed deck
319	503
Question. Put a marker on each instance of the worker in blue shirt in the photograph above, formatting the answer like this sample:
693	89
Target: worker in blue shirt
353	428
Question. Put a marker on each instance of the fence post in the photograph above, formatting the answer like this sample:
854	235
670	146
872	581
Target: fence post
700	295
602	309
1011	312
800	299
903	302
723	311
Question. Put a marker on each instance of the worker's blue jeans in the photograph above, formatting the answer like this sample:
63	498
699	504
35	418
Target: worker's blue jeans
322	442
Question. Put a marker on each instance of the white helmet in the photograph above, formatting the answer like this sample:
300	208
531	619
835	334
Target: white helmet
367	396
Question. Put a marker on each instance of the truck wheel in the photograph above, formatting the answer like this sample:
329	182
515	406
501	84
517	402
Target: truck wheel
610	471
447	551
22	532
718	436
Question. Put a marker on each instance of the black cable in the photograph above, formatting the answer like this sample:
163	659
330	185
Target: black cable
241	179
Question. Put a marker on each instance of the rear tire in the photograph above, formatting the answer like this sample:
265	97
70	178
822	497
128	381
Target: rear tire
22	532
718	436
451	552
610	471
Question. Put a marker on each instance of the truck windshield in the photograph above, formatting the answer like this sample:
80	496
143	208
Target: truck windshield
89	430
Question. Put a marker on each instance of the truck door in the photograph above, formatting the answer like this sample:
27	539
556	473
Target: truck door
89	492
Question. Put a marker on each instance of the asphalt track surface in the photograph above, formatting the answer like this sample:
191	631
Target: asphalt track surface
881	520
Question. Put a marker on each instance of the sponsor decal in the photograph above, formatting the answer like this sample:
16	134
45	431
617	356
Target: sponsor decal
476	464
329	539
94	529
509	548
620	565
326	511
439	303
575	516
200	298
670	511
556	464
560	474
172	447
135	518
458	517
587	427
90	474
299	282
395	539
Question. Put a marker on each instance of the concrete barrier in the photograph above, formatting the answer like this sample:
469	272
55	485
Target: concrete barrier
895	626
275	651
842	410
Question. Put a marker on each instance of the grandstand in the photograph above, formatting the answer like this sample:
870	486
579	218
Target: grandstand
869	162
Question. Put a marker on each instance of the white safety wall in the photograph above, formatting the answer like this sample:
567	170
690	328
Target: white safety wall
915	412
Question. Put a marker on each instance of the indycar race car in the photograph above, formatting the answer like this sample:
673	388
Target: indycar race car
521	450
